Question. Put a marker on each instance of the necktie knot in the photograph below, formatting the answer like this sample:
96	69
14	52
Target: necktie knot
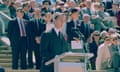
22	28
37	22
59	34
20	21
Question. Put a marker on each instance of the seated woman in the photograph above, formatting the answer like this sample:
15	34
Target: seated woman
103	54
93	46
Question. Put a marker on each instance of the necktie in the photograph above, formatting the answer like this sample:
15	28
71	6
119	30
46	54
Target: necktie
75	25
37	22
59	34
88	29
85	26
117	49
22	29
89	11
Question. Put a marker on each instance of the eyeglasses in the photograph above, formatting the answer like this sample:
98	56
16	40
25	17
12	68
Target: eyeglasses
107	39
61	4
46	4
96	35
114	39
111	32
20	11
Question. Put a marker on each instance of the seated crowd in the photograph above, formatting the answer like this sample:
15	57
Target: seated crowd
93	21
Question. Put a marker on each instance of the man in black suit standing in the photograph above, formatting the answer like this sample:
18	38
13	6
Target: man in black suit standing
35	27
72	25
17	35
53	43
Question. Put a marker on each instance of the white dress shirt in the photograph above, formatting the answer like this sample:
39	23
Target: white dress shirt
57	31
20	26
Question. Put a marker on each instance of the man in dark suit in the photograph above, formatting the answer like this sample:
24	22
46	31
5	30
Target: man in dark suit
17	35
73	30
26	9
46	6
35	28
73	24
53	43
86	27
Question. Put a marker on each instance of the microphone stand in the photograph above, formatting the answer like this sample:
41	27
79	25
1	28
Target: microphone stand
81	37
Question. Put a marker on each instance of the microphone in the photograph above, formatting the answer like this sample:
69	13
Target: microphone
80	35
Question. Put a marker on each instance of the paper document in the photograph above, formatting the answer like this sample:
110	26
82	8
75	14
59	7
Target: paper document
77	44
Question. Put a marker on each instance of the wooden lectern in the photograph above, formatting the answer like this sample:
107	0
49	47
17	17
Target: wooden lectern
70	62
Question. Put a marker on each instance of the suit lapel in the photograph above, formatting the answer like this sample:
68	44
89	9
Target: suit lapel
17	24
54	33
72	24
36	26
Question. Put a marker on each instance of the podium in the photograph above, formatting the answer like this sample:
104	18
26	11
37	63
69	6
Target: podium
70	62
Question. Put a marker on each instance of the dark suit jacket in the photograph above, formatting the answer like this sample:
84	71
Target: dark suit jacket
12	12
26	16
70	32
14	31
44	10
93	47
58	10
36	30
85	31
18	43
111	12
51	45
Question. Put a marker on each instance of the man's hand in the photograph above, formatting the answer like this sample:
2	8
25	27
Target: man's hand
37	40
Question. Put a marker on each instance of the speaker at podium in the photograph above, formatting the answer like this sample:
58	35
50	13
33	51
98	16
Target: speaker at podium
70	62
